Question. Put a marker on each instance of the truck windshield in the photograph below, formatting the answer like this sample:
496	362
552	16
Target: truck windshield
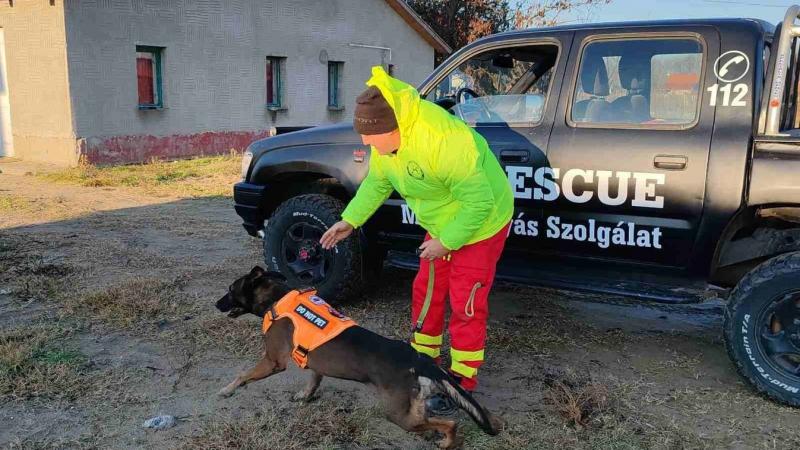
499	86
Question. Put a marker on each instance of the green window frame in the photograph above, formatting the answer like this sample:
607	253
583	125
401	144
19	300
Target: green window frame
149	74
335	71
274	82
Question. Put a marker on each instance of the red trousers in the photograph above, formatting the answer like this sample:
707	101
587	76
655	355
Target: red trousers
466	275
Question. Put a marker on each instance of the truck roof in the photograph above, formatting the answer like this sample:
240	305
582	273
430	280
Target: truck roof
762	25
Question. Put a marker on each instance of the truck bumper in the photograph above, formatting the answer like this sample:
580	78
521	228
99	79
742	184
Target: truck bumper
247	200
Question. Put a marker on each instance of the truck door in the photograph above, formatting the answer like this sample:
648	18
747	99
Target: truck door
507	91
629	150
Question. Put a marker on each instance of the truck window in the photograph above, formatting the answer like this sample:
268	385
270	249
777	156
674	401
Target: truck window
793	86
505	86
648	83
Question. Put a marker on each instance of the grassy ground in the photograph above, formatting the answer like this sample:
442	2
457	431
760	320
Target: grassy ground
35	363
199	177
107	319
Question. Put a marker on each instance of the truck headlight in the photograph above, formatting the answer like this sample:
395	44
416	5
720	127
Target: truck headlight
247	158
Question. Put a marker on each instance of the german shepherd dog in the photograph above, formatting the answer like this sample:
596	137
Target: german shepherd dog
402	377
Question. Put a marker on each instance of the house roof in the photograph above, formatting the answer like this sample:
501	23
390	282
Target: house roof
420	26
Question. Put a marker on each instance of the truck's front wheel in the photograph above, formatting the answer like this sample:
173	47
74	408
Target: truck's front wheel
291	247
762	328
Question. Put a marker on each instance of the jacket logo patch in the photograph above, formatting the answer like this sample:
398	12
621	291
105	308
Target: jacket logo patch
415	171
306	313
316	300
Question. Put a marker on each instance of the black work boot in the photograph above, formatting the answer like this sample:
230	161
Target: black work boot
440	405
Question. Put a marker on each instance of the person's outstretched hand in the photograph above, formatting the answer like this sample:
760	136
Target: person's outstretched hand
340	230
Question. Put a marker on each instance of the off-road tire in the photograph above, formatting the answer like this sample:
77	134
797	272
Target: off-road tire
774	279
344	280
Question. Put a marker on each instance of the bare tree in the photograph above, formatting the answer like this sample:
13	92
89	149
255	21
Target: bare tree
460	22
528	14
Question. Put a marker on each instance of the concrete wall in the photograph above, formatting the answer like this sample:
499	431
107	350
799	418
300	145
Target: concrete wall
214	62
41	116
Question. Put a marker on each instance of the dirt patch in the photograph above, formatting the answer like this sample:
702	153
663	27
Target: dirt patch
26	271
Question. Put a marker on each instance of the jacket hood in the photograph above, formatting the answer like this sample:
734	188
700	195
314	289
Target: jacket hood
401	97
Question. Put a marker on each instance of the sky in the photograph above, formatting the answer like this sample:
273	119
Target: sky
626	10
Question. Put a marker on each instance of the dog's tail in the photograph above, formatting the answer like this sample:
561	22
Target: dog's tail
488	423
448	386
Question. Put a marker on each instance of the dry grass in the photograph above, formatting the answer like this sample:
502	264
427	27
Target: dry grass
236	337
18	208
85	443
26	273
541	331
388	318
577	404
199	177
323	424
35	363
533	431
588	414
132	303
11	202
546	327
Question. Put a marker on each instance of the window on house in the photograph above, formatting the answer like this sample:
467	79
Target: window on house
275	67
391	70
148	76
335	70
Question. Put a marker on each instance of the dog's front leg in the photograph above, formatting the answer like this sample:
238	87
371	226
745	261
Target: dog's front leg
311	387
263	369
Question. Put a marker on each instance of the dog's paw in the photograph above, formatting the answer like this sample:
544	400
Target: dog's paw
302	397
225	392
446	443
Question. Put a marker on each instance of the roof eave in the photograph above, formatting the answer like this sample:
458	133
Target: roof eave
420	26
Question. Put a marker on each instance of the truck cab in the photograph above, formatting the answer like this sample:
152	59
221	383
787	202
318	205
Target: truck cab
656	160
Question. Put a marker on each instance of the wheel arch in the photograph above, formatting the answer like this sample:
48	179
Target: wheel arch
755	234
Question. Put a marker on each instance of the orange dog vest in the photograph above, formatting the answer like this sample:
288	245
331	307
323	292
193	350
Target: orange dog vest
315	322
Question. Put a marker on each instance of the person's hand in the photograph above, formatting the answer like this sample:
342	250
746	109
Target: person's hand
340	230
432	249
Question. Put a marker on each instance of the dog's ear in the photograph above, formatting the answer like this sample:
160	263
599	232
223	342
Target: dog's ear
257	271
275	276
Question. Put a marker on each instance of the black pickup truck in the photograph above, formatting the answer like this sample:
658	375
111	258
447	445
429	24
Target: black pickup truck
659	160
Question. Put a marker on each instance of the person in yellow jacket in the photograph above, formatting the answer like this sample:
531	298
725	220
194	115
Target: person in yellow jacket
460	195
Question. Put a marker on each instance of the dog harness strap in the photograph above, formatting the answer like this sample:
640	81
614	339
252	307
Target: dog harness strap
315	322
271	316
300	356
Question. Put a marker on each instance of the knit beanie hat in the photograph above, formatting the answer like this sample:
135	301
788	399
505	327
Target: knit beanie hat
373	115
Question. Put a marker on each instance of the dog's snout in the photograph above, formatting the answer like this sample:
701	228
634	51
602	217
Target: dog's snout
224	304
